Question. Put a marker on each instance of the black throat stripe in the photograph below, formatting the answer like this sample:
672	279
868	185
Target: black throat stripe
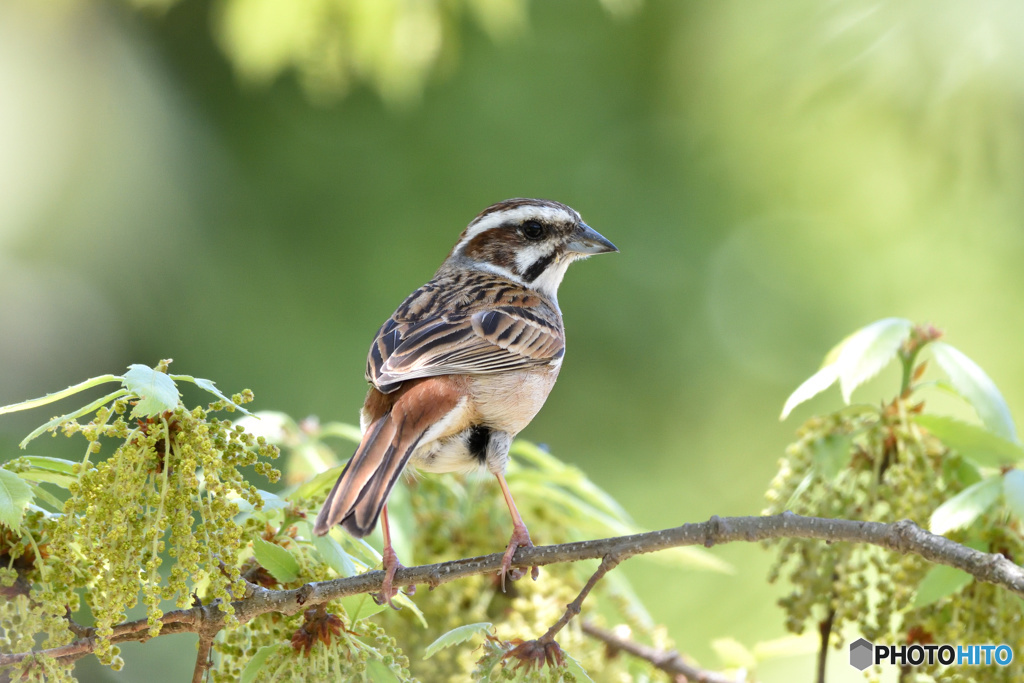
538	267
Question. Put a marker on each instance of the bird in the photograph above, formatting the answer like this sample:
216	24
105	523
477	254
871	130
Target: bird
463	365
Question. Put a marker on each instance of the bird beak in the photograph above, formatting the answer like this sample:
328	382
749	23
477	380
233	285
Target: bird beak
587	241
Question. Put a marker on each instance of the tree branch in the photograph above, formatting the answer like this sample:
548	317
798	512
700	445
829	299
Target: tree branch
670	661
903	537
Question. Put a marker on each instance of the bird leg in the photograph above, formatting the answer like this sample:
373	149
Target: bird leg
520	538
391	565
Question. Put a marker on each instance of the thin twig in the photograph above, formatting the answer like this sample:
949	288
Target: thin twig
669	661
545	649
608	563
825	633
203	662
903	537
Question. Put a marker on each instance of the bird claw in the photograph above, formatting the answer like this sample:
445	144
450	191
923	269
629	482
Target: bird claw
387	588
520	539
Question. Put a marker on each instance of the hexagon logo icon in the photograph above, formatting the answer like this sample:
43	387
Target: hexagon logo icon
861	654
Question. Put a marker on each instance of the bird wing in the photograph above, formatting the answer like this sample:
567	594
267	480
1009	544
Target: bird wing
492	340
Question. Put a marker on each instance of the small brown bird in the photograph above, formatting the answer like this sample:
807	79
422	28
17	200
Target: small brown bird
464	364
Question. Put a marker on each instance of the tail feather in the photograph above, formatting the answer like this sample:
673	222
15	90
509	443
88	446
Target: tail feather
357	498
363	488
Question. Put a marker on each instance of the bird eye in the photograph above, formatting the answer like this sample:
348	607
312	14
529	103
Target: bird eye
532	230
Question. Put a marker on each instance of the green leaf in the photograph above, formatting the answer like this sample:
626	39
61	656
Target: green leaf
361	606
971	441
961	470
281	564
252	668
15	496
940	581
854	361
569	477
799	491
50	398
830	455
459	634
965	507
787	646
404	602
378	672
868	350
734	654
51	470
208	385
978	388
334	555
1013	491
342	430
317	484
156	390
811	387
95	405
45	496
576	668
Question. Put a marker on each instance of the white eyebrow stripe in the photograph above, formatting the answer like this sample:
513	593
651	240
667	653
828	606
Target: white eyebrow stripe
518	214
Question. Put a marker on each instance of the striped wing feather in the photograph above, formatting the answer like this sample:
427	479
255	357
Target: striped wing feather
487	341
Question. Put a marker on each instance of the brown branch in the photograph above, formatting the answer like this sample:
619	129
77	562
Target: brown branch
203	662
608	563
669	661
545	649
903	537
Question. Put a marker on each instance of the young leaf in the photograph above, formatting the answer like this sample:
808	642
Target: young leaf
978	388
972	442
1013	491
51	470
208	385
252	668
15	496
830	455
44	496
577	669
733	654
317	484
379	672
334	555
459	634
868	350
939	582
156	391
814	385
966	506
787	646
56	396
281	564
342	431
72	415
361	606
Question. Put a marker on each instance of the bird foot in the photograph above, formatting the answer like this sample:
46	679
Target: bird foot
387	589
520	539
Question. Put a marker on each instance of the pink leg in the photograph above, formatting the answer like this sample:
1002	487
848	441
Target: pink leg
520	537
391	564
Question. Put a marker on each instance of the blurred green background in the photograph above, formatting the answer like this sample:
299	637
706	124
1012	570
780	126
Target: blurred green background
251	186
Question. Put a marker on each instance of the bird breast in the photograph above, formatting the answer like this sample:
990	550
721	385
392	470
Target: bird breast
508	401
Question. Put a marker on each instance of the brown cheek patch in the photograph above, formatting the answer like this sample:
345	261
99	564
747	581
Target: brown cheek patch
497	246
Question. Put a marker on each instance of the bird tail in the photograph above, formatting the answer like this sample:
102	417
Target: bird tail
362	490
